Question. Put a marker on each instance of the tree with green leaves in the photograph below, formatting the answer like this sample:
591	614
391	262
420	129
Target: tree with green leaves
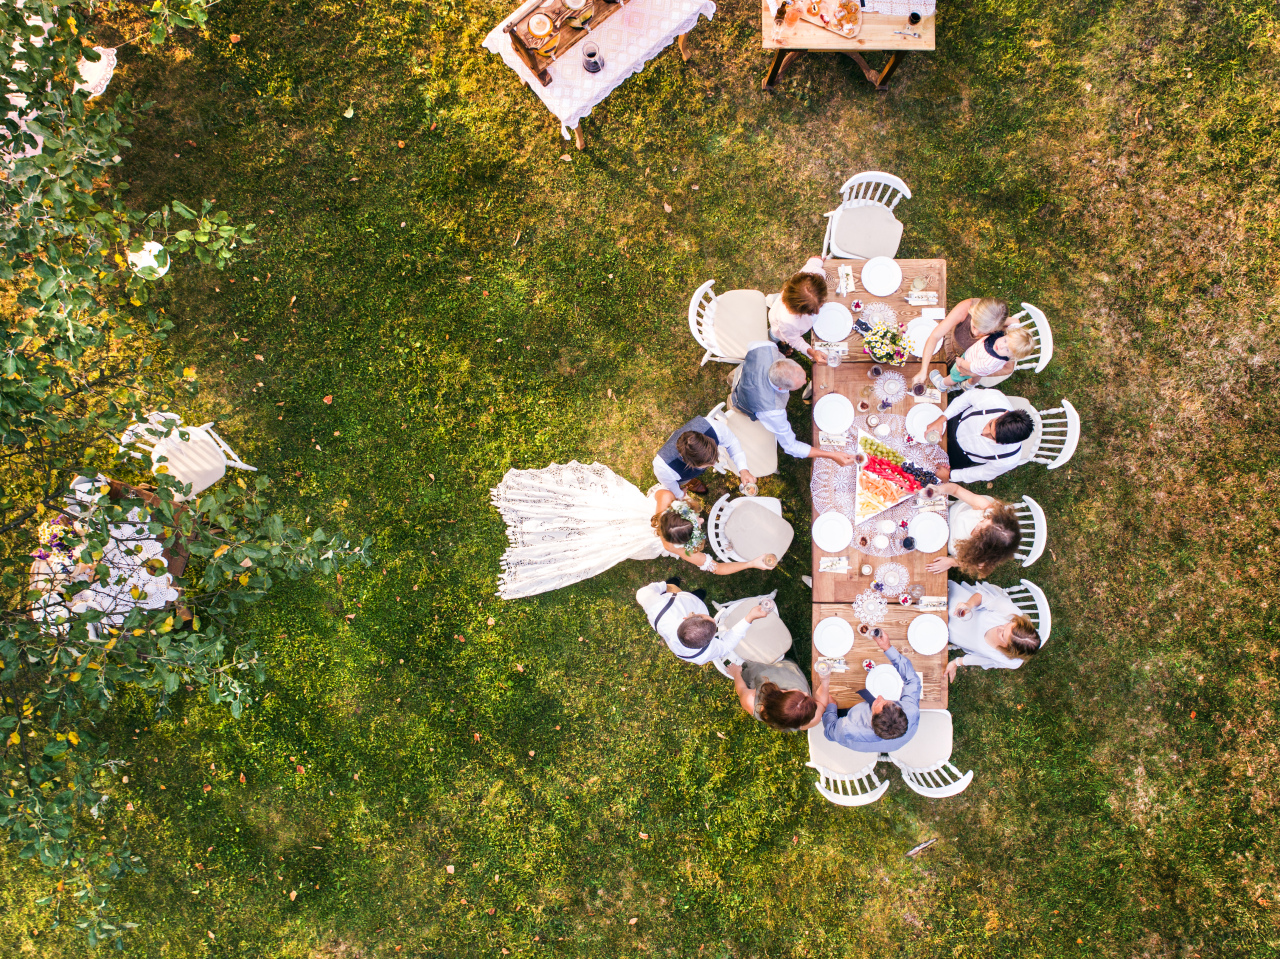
92	534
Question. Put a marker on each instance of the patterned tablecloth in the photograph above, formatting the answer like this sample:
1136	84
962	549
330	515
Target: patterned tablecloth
834	487
628	40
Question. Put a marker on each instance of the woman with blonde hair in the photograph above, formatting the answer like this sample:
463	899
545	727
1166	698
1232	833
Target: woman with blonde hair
967	323
988	627
984	533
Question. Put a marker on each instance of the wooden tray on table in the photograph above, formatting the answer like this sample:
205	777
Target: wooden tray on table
569	25
841	17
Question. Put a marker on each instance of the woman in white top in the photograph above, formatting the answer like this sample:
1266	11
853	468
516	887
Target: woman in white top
984	533
992	631
569	523
792	314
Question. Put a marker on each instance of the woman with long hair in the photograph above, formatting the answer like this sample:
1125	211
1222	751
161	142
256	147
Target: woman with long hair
778	695
992	631
968	322
569	523
984	533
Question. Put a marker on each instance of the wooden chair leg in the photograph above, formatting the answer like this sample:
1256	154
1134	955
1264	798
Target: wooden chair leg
579	138
683	46
878	78
781	60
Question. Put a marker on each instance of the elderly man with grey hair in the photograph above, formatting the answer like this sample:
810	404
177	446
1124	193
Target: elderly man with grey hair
761	388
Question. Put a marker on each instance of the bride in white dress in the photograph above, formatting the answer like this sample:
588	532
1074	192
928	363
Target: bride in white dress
569	523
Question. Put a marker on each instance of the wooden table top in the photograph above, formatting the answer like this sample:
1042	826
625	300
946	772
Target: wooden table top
877	33
845	686
851	380
933	270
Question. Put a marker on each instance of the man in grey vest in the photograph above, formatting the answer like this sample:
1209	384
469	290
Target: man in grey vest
691	449
762	386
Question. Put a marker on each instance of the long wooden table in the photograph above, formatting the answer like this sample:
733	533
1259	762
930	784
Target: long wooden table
878	33
832	592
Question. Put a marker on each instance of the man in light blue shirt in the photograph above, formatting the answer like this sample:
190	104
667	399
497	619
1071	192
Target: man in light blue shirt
877	724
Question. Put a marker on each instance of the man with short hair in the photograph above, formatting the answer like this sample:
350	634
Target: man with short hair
877	724
691	449
984	436
762	386
682	620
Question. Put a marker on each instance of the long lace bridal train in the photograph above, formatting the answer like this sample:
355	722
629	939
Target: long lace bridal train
569	523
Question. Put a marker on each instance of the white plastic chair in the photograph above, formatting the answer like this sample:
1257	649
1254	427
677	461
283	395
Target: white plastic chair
925	762
702	314
1055	436
774	645
1031	599
1037	324
1035	531
845	777
194	455
718	515
864	189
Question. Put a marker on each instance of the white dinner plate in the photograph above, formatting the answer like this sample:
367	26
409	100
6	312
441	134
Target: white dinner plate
881	276
930	532
885	681
927	634
917	333
834	322
832	532
833	413
833	636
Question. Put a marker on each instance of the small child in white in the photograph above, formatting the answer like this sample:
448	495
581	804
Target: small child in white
996	354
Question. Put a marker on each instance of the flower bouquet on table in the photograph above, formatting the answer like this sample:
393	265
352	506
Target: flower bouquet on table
58	544
886	343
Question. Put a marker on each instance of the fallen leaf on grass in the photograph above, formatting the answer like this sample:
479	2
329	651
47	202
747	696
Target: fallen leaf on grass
520	669
566	158
644	835
400	144
666	206
293	894
632	921
477	735
328	400
449	870
491	911
207	787
490	620
258	357
242	777
235	38
721	735
350	111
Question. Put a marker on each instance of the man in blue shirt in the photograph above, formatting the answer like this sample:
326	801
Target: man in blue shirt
877	724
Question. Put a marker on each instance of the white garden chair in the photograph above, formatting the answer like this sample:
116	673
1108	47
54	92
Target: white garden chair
845	777
1031	599
759	445
1035	531
925	762
724	325
718	517
767	640
194	455
1037	323
879	235
1055	437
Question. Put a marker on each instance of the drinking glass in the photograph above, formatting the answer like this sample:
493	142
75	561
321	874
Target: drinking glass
918	389
592	62
932	436
919	282
875	371
833	357
768	605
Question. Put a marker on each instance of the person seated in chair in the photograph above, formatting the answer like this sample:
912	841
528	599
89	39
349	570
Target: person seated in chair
762	387
984	436
682	620
877	724
778	695
691	450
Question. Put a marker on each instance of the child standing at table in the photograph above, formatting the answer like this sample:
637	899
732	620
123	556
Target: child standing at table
792	314
996	354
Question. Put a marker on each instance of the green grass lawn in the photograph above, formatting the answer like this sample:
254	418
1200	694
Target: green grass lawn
434	772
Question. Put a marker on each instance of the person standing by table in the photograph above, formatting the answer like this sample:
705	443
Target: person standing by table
778	695
762	386
991	630
685	625
691	450
792	314
877	722
967	323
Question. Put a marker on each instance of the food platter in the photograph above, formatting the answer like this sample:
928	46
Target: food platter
885	478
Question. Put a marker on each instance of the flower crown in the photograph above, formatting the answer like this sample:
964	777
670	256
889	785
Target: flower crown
698	538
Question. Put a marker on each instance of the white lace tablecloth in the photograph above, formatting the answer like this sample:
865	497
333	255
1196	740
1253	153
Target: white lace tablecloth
895	8
628	40
834	487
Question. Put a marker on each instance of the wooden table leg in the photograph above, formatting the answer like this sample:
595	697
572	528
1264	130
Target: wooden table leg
879	78
782	59
683	47
579	138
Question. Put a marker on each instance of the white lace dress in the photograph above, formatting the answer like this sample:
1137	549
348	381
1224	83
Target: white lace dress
569	523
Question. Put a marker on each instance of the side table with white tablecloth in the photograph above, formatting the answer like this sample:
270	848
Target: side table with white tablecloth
627	40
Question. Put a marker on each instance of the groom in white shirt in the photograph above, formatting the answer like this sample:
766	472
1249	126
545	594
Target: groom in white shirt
683	622
984	436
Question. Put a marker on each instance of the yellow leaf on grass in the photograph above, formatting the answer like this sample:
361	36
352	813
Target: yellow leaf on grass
75	677
244	580
219	551
75	740
14	739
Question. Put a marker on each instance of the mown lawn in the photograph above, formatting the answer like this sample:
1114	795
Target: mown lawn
485	296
